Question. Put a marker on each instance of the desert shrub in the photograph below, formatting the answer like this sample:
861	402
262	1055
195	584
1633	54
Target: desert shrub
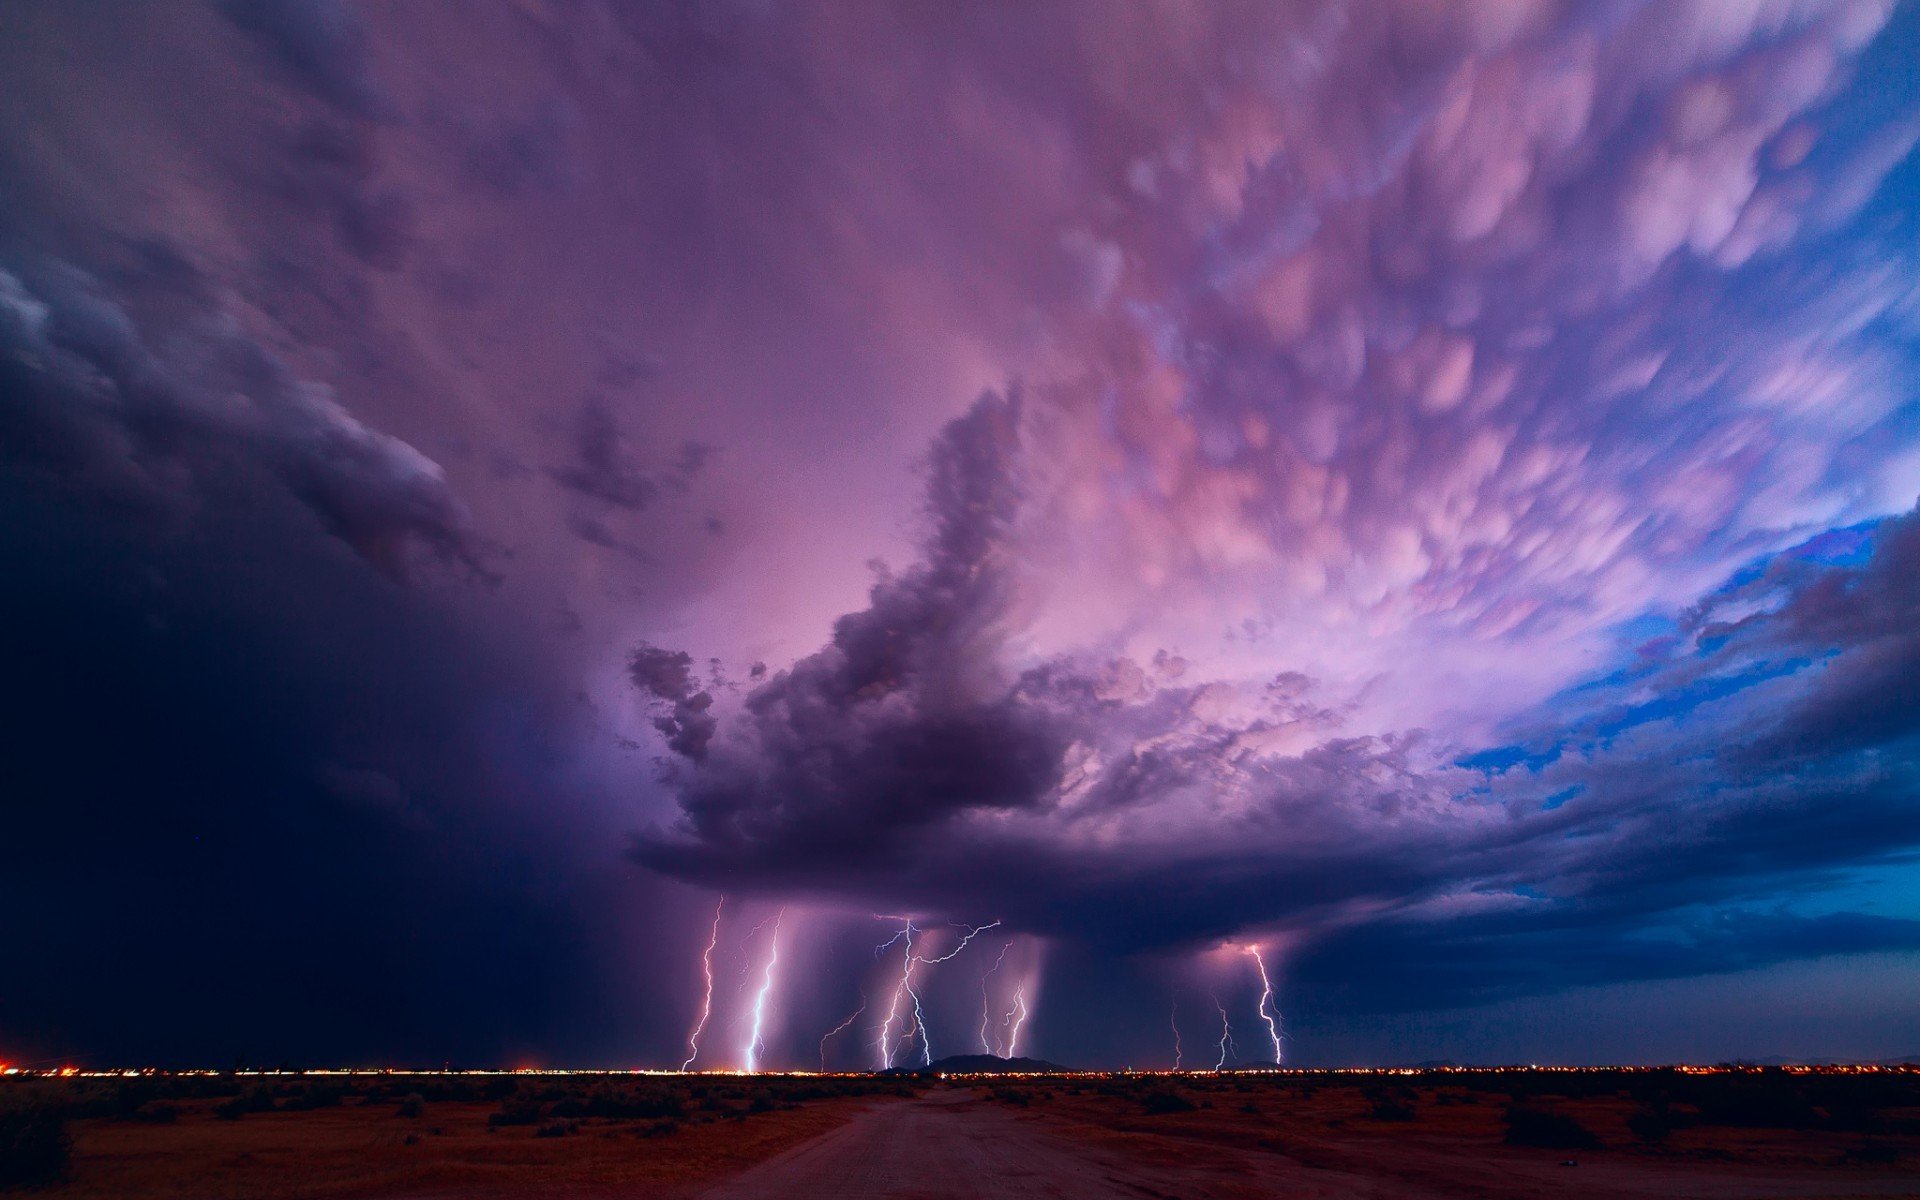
34	1147
1874	1152
1758	1104
498	1088
127	1100
1387	1109
317	1096
1653	1121
762	1103
556	1129
1546	1128
413	1105
662	1128
257	1100
158	1114
1013	1096
517	1110
1159	1103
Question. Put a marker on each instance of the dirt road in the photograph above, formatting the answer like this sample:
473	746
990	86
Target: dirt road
947	1145
952	1144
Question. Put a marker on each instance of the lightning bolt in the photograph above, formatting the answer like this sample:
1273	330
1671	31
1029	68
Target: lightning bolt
706	1003
907	961
746	958
1268	1012
1016	1017
905	986
840	1028
754	1044
985	1001
919	1020
1226	1034
972	933
1174	1020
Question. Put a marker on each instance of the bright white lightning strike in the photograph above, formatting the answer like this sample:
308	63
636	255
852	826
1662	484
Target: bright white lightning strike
986	1002
1226	1035
1016	1018
1268	1012
905	985
706	1003
907	961
754	1044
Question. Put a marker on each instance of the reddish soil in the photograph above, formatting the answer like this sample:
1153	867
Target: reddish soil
1197	1137
350	1152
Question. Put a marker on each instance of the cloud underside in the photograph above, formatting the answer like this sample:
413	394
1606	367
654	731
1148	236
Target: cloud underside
1429	368
898	765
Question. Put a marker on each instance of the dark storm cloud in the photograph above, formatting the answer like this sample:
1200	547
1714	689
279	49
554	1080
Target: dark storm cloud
1419	345
886	768
92	400
667	676
898	725
282	796
1477	960
320	43
604	467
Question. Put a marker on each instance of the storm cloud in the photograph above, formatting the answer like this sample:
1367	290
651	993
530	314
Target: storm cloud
1428	489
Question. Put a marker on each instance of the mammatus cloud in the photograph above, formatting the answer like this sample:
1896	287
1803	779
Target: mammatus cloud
1451	527
1408	378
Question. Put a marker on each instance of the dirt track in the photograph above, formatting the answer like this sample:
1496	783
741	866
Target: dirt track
945	1144
951	1144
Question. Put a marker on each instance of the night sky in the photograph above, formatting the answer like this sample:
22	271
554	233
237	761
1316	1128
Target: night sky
1423	490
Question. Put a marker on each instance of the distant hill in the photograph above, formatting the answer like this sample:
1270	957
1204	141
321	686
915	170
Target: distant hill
982	1064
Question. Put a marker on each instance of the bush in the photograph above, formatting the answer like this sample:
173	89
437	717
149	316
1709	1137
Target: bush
517	1110
1768	1104
1163	1102
1389	1110
307	1099
556	1129
255	1101
1652	1123
413	1105
34	1147
1552	1130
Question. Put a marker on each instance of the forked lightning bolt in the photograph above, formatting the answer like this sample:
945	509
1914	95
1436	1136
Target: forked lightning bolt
986	1002
706	1003
1226	1034
1268	1012
1016	1018
838	1029
905	986
1174	1020
908	960
754	1043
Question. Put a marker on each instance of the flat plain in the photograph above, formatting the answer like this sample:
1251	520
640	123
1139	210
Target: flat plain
1507	1134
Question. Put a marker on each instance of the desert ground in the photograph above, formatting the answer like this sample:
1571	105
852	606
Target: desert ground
1479	1134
